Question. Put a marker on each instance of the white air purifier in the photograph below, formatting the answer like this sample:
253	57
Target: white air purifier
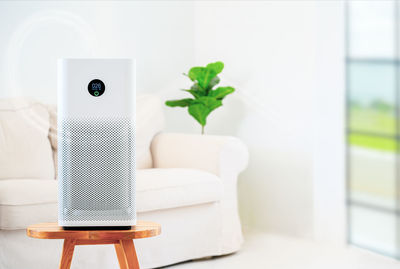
96	143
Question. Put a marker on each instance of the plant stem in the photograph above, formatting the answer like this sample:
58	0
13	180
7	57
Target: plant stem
202	129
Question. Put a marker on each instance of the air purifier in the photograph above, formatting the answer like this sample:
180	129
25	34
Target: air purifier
96	143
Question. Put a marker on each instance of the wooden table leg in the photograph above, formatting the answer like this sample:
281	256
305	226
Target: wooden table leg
121	256
126	254
67	253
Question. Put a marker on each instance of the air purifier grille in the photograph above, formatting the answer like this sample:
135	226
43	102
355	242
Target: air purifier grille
96	170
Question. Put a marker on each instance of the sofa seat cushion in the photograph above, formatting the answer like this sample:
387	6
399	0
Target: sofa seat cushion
160	188
27	201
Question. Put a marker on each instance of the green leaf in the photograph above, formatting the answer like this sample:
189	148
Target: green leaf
200	112
213	82
181	103
221	92
204	75
216	67
210	102
195	72
202	107
196	94
197	88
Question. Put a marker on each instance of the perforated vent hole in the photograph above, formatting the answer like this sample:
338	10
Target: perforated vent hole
96	169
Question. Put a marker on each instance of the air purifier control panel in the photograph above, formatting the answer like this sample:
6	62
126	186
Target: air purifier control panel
96	87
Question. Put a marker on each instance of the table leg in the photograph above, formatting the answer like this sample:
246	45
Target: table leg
67	253
121	256
126	254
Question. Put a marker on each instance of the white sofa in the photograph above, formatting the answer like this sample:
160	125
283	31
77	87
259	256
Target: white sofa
187	183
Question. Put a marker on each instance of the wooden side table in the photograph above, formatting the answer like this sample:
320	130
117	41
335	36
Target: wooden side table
122	240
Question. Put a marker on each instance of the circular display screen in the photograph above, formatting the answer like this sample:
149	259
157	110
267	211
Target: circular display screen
96	87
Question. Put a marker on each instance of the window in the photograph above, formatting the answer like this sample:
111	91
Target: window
373	125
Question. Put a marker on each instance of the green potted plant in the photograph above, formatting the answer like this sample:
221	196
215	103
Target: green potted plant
206	96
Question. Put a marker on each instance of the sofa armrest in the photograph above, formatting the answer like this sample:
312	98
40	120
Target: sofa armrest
223	156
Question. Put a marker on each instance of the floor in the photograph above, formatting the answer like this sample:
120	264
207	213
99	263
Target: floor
281	252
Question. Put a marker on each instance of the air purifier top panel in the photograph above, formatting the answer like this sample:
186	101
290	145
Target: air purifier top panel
96	87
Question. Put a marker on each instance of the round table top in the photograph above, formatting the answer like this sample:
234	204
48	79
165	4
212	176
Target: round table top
51	230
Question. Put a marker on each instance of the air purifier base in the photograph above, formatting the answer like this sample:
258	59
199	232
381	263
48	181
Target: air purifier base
91	228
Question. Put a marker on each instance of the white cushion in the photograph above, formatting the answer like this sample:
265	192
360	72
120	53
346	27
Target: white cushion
53	134
27	201
149	121
175	187
25	150
15	192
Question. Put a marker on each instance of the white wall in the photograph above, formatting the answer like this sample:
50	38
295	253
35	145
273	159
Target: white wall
285	58
34	34
329	125
268	49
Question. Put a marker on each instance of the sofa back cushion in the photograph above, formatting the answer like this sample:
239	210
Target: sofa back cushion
149	121
25	150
